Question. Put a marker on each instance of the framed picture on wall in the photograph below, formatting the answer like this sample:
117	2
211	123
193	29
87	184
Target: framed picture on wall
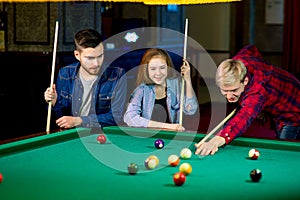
80	15
274	11
31	23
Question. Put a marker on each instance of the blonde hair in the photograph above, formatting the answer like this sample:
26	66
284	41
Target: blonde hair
143	76
230	72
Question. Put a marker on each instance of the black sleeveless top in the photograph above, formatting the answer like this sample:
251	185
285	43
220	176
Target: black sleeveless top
160	111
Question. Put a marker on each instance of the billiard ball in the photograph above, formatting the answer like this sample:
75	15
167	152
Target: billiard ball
159	143
133	168
151	162
185	153
255	175
179	178
1	177
101	138
173	160
253	154
154	158
185	168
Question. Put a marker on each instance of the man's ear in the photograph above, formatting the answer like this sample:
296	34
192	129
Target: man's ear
246	80
77	55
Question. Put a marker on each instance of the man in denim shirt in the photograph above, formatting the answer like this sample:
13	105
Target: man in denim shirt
88	93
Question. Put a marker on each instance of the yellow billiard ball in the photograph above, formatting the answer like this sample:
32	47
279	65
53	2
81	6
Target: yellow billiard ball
155	158
151	162
185	168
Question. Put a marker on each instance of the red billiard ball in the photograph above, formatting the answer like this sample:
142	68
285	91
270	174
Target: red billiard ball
1	177
253	154
133	168
159	143
179	178
101	138
255	175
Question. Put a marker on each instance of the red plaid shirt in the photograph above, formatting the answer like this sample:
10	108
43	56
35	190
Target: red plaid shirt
270	88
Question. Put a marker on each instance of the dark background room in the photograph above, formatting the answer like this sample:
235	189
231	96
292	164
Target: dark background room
27	32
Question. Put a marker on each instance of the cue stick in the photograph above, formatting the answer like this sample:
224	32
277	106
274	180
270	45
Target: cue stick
52	76
182	79
215	129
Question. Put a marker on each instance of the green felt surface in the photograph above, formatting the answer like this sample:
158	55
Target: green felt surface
80	168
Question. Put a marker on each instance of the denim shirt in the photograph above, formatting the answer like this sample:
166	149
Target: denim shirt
142	101
108	98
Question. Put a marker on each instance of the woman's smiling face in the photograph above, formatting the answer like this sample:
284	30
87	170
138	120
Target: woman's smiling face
158	70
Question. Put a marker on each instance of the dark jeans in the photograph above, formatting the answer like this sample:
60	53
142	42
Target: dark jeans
289	132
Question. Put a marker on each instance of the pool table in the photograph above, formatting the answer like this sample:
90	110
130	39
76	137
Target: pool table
71	164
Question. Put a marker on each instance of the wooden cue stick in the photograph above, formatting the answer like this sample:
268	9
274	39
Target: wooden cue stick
52	76
216	128
182	79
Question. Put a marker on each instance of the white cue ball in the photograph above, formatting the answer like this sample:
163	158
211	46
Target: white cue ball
185	153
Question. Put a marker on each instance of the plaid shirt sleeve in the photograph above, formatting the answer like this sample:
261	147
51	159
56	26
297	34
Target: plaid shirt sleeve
251	105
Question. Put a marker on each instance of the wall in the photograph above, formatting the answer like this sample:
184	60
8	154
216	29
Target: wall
26	22
268	37
222	29
210	25
31	26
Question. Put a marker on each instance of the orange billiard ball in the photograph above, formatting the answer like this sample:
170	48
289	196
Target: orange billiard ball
173	160
101	138
179	178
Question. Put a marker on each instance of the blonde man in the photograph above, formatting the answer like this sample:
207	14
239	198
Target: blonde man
256	86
